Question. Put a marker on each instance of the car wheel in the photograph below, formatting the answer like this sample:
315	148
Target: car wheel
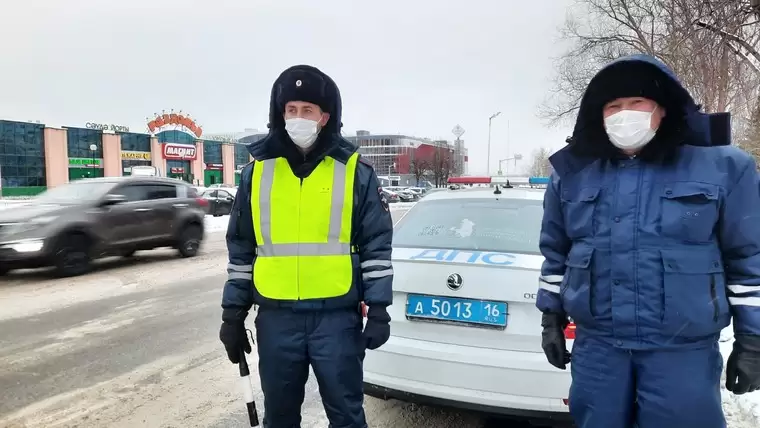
72	256
190	241
4	270
128	254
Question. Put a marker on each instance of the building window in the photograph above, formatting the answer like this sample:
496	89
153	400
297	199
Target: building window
22	158
135	142
175	136
79	141
212	152
242	157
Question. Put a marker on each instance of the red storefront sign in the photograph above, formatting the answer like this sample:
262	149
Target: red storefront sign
215	166
174	151
177	170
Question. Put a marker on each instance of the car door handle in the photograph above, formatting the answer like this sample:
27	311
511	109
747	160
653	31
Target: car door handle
180	205
143	210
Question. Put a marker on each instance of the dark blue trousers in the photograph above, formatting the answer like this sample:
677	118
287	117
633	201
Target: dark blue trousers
617	388
329	341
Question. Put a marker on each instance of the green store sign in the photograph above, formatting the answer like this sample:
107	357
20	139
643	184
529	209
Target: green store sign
85	163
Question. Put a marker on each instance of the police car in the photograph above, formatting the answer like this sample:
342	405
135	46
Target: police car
465	331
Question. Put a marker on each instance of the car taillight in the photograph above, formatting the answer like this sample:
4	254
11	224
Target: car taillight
202	202
364	310
565	401
570	331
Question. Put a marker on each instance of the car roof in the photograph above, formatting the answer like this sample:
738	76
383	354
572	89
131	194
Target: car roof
525	193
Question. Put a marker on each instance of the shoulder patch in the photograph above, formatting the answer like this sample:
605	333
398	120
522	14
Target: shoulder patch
383	199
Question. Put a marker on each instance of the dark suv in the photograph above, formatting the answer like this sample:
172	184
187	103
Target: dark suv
70	225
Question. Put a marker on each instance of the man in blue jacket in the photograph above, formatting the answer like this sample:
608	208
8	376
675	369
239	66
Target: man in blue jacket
651	237
309	238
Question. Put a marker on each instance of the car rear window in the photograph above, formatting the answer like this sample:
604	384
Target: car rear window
504	225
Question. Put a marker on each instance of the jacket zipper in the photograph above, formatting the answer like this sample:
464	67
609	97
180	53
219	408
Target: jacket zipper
714	296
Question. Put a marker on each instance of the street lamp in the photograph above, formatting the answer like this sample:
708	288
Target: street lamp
488	166
516	157
393	165
93	148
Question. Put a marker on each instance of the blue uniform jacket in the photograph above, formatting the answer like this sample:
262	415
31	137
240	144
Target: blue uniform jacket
372	228
658	251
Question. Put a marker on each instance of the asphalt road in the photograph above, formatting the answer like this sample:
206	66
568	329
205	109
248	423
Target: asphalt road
134	344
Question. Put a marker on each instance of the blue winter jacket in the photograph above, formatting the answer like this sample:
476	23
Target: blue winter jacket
657	251
372	229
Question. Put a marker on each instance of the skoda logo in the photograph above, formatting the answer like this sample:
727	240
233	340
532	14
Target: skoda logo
454	281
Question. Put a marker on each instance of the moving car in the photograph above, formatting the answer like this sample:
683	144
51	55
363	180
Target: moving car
465	331
69	226
220	200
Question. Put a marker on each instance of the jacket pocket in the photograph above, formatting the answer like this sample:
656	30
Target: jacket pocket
689	211
577	287
694	293
579	206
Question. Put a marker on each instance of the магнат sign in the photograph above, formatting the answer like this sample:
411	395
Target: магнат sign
176	151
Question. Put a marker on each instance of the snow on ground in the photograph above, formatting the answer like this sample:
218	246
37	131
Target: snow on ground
7	203
741	410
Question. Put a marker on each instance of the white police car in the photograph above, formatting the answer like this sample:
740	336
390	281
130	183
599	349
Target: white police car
465	331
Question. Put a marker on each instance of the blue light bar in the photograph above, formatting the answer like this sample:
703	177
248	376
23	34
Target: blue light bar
538	180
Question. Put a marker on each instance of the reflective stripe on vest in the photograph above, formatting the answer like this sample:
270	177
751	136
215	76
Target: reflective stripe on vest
303	229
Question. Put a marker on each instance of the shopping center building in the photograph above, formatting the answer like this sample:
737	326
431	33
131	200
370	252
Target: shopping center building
35	156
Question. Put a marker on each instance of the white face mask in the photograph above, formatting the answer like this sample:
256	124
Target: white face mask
302	131
630	129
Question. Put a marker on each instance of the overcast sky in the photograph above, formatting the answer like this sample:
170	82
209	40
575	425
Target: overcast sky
413	67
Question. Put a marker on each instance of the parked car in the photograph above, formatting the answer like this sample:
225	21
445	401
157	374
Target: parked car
465	331
391	197
69	226
220	200
404	194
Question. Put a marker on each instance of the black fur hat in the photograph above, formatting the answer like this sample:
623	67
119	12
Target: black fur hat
630	80
304	83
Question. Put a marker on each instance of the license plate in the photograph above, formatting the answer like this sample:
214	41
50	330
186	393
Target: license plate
464	311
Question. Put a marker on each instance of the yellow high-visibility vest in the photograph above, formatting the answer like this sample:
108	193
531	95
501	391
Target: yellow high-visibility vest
303	229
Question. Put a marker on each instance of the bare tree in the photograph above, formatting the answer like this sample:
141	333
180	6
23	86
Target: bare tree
539	164
604	30
442	165
419	168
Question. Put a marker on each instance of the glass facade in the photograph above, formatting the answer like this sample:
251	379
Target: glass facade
179	169
175	136
212	152
79	141
135	142
83	162
22	158
242	156
182	169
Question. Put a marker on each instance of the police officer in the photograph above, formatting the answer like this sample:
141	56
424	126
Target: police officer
651	239
309	238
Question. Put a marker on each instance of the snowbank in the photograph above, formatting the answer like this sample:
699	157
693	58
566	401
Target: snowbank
216	224
741	410
7	203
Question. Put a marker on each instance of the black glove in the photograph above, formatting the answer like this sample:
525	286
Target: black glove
378	328
743	366
233	334
553	339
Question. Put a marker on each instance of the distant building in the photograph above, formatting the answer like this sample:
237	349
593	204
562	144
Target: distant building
395	153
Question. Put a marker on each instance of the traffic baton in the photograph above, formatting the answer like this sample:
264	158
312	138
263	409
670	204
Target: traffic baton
245	379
